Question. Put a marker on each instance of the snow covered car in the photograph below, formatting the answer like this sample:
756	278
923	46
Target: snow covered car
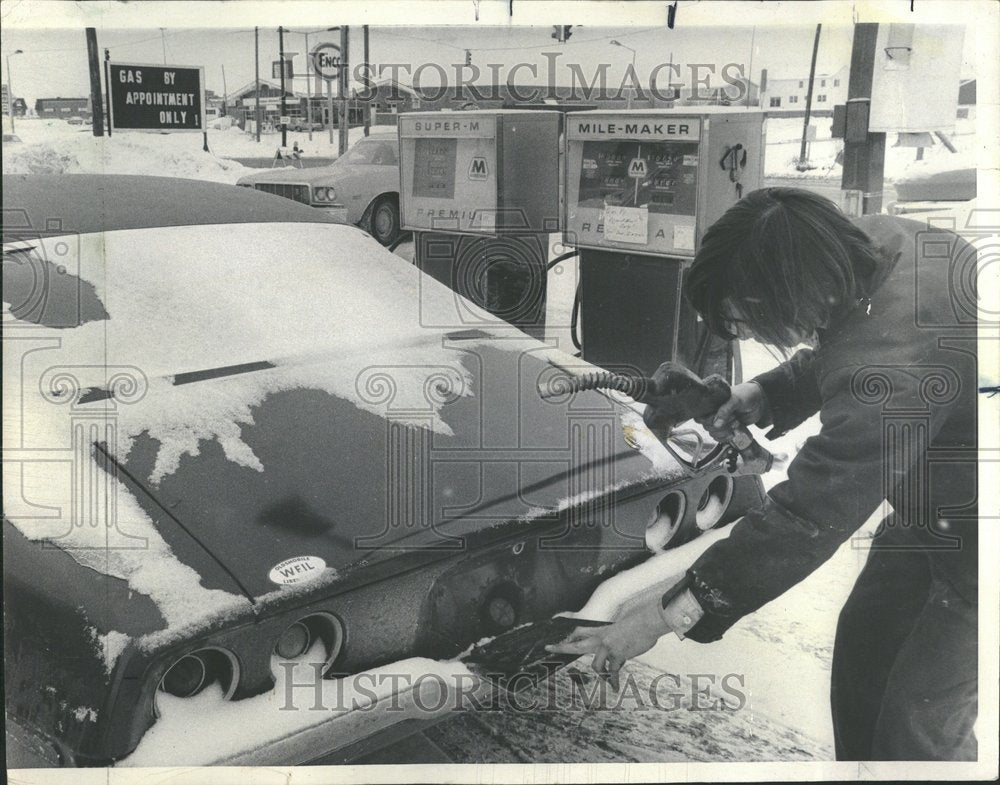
241	440
361	187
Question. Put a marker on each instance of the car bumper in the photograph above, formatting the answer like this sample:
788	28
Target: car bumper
299	722
337	213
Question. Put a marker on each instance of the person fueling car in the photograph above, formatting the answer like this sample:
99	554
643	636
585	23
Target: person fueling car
890	365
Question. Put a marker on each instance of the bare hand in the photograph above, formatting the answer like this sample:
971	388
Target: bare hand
635	633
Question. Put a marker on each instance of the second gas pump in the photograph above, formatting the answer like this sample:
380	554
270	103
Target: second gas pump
641	189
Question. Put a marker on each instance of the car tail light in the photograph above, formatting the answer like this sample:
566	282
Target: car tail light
193	672
186	677
294	641
666	521
713	502
301	635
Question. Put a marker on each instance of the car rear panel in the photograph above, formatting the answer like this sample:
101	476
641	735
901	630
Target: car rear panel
357	488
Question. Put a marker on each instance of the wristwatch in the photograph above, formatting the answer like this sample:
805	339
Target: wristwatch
679	608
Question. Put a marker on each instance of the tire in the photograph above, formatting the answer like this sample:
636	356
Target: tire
384	220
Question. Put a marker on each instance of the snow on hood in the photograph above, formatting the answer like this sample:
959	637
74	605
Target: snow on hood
185	299
320	303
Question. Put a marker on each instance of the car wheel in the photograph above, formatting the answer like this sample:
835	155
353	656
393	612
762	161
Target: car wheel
384	220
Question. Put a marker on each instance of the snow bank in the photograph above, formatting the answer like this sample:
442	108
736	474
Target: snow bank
120	154
54	147
206	729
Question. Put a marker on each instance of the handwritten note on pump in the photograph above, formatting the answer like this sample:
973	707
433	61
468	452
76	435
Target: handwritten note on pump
626	224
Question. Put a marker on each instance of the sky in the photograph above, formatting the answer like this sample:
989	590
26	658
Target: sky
53	62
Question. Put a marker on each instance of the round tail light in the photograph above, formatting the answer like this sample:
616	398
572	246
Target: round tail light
294	641
714	502
186	677
666	521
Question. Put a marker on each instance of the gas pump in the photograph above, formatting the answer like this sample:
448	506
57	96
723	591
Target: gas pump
641	188
480	190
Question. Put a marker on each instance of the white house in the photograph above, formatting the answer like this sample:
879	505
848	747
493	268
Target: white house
789	95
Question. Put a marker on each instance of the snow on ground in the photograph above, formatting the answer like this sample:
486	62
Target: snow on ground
55	147
784	136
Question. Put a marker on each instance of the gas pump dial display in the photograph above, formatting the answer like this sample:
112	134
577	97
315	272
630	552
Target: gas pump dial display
448	172
632	183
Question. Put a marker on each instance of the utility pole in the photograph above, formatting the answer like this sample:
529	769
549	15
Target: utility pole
225	91
10	89
94	66
256	76
802	165
163	45
284	110
107	85
343	85
368	104
864	152
309	89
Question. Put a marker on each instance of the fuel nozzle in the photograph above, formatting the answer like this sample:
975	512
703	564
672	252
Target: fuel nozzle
676	395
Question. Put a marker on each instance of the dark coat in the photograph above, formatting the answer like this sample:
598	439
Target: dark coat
895	386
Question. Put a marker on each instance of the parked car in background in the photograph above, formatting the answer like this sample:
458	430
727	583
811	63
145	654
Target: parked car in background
933	187
303	124
237	434
361	187
75	120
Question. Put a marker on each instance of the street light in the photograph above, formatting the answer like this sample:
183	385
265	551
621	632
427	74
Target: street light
619	43
10	88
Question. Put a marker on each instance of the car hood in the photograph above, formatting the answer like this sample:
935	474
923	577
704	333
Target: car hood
310	175
392	481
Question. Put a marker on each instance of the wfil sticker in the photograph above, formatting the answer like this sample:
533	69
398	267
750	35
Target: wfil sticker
298	569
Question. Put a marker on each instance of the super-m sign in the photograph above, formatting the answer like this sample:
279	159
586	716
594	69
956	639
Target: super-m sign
156	97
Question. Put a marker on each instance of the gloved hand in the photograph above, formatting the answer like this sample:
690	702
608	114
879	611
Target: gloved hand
747	404
635	632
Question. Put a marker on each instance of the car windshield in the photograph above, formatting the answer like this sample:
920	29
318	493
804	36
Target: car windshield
373	151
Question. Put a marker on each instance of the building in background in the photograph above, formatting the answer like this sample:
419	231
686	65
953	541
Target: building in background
788	96
63	108
243	102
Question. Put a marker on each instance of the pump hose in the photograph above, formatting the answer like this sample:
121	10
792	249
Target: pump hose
635	387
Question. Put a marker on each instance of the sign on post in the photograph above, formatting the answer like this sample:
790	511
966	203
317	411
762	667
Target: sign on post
326	61
156	97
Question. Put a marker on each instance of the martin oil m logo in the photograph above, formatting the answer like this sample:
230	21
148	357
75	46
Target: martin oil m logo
637	168
478	170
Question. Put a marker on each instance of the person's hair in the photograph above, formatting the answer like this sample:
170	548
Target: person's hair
787	258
